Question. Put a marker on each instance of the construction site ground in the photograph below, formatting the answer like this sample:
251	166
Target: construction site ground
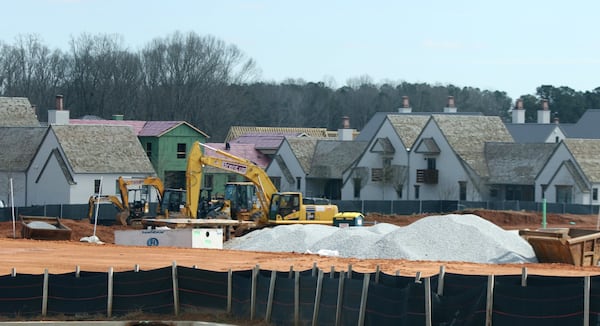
34	256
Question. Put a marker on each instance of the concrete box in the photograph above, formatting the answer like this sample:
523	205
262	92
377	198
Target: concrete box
184	238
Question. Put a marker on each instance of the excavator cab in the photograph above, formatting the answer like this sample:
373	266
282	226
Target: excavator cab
241	198
172	202
284	205
139	203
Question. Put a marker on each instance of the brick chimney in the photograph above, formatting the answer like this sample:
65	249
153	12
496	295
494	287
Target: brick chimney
345	133
451	107
518	113
58	116
405	108
543	115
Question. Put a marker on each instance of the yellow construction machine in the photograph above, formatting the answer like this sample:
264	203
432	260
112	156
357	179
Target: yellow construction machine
133	202
271	206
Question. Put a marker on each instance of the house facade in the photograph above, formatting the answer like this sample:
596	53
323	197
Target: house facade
291	164
20	145
448	161
74	162
381	171
20	134
571	174
513	168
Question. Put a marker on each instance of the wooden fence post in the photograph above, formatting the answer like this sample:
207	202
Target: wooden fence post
109	297
175	288
297	298
253	292
363	299
428	301
440	289
270	297
45	294
317	298
489	308
340	301
229	289
586	300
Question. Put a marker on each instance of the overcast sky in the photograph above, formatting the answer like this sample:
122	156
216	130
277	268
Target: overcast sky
512	46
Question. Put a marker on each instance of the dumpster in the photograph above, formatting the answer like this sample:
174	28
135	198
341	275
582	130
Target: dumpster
44	228
579	247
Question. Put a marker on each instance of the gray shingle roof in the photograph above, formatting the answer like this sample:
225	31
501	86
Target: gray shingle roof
586	153
102	149
408	127
17	112
531	132
333	157
303	149
586	126
515	163
467	135
370	129
19	145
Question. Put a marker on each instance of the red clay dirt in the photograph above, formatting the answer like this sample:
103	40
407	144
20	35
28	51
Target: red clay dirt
34	256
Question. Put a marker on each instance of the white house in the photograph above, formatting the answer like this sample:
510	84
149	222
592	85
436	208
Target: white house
571	174
447	160
72	160
20	134
380	172
18	144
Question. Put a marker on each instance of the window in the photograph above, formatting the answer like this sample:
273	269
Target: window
276	182
462	190
208	181
431	163
181	150
356	183
564	194
417	191
595	194
149	149
298	183
97	186
376	174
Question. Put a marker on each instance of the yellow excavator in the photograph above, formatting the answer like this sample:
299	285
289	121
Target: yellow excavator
133	201
272	207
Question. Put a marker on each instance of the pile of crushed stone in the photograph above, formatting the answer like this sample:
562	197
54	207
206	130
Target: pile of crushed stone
453	237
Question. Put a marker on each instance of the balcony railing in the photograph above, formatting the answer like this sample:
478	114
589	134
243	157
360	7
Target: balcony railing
427	176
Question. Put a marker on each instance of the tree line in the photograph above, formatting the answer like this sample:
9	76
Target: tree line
214	85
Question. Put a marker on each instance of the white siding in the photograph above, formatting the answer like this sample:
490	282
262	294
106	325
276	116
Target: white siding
47	183
377	190
274	170
18	187
450	170
555	174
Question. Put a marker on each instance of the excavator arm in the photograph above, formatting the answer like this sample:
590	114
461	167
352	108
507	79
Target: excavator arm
95	199
124	184
229	162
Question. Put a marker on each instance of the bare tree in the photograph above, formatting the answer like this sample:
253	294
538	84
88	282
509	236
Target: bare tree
187	77
30	69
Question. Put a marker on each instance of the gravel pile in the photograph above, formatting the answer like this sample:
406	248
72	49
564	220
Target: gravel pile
468	238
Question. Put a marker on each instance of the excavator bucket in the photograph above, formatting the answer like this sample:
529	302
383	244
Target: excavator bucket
122	217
